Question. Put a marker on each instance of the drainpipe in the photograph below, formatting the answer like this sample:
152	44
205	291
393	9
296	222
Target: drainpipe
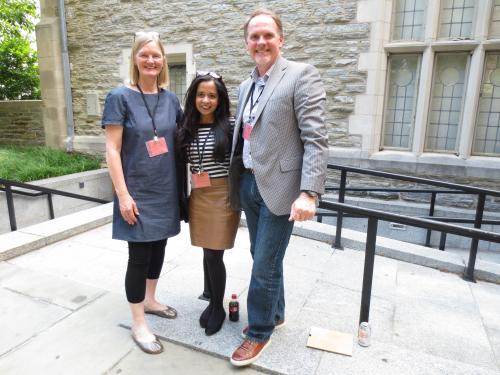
66	78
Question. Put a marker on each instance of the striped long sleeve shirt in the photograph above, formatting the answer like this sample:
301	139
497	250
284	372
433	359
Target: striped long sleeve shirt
204	149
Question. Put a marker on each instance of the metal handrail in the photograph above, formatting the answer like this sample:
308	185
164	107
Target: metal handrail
371	238
396	190
6	186
436	218
421	180
461	189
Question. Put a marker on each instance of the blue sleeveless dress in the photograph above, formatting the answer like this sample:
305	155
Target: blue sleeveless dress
151	181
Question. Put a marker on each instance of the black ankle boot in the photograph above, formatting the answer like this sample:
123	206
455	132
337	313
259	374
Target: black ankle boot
205	315
215	322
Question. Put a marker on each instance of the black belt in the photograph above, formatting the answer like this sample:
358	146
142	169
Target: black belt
248	170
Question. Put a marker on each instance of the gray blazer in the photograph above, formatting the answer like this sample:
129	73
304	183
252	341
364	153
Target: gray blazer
289	143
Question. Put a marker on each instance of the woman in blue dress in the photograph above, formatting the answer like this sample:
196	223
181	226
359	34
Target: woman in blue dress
141	121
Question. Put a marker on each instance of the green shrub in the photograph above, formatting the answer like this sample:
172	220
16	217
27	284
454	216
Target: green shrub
34	163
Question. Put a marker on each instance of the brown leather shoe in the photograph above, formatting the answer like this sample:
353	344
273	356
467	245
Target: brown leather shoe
248	352
279	324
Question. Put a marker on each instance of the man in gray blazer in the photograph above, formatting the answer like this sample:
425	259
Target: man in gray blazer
278	164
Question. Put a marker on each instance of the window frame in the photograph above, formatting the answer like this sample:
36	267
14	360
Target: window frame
490	22
455	151
386	99
449	38
476	122
393	12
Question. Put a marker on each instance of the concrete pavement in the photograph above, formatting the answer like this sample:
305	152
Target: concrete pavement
63	311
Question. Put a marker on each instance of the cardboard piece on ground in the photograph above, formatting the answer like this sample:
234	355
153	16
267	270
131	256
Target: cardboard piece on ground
331	341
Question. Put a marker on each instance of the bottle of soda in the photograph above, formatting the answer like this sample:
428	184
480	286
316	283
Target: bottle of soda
234	308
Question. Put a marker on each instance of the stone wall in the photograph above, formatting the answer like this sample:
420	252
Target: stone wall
21	122
324	33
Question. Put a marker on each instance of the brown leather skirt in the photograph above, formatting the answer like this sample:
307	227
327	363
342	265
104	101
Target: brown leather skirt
212	223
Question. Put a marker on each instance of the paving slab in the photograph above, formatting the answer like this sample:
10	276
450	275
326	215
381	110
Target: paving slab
494	337
309	255
175	359
487	298
88	341
22	317
445	331
66	259
383	359
345	269
421	283
341	308
50	289
7	270
100	238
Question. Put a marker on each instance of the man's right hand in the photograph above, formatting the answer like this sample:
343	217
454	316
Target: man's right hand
128	209
304	208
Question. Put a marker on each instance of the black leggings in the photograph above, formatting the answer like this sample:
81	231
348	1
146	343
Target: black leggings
216	270
145	260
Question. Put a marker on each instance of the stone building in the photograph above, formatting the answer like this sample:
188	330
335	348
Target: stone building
412	85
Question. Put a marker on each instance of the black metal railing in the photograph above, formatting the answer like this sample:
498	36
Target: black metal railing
371	239
35	191
455	189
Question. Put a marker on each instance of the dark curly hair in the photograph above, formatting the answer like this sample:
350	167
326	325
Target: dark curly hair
189	127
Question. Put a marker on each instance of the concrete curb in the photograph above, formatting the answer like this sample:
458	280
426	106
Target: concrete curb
27	239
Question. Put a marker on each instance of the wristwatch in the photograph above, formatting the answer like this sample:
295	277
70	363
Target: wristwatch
311	193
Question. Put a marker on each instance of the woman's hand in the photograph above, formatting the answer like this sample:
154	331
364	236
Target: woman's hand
128	209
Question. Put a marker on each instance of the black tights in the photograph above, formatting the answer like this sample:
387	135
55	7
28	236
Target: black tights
145	260
216	271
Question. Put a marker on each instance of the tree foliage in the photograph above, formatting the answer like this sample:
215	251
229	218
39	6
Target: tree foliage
19	77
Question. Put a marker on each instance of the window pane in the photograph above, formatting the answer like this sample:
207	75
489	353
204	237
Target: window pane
495	20
408	20
456	19
400	102
177	74
487	133
446	102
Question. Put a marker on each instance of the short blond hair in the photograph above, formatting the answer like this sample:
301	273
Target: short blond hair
140	40
264	12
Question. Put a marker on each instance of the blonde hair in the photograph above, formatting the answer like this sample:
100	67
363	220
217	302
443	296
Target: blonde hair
140	40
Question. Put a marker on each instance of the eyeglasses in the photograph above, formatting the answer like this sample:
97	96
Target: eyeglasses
147	34
201	73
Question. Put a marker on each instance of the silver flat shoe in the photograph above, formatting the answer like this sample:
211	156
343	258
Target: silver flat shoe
168	313
151	347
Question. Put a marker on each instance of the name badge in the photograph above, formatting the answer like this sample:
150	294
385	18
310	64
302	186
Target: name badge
156	146
200	180
247	130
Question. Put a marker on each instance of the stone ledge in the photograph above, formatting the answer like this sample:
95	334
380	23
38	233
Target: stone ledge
27	239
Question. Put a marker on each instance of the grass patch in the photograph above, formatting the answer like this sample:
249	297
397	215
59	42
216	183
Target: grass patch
25	164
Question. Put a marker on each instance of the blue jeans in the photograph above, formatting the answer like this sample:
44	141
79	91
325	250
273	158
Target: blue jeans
269	237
